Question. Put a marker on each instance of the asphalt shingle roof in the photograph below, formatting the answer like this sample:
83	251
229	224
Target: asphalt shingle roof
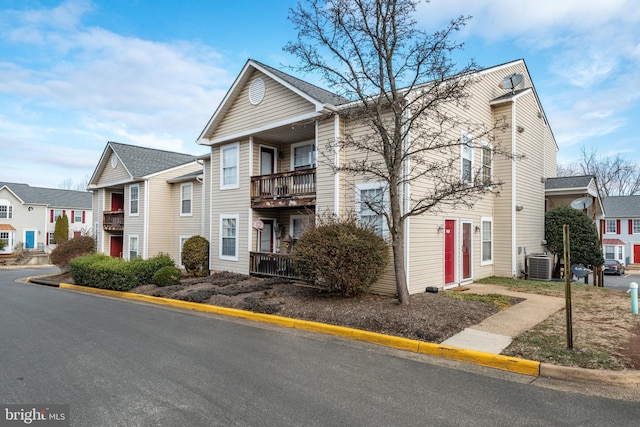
313	91
582	181
622	206
50	196
142	161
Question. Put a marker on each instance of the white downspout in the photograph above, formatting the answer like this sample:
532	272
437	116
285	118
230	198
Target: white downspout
250	211
145	232
514	192
336	160
407	202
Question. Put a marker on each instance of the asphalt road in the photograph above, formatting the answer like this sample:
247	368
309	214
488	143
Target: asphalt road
621	282
119	363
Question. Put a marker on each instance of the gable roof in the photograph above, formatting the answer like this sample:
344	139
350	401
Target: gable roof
50	196
622	206
580	182
322	99
140	162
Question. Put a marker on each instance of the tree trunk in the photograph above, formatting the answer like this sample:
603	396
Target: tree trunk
397	244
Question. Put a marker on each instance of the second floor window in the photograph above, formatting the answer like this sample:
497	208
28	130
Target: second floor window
304	156
6	211
487	163
611	226
229	168
186	191
134	194
636	226
467	158
77	216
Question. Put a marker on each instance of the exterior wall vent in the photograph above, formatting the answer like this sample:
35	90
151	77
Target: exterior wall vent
256	91
540	267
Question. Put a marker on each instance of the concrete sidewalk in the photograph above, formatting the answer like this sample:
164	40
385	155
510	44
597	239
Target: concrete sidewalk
496	332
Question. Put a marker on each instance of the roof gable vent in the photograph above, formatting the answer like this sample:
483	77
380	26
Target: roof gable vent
256	91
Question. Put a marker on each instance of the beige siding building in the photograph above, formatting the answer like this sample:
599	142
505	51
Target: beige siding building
147	201
28	216
275	141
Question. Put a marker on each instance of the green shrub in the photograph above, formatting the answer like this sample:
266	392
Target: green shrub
63	253
104	272
3	244
341	255
195	256
61	230
167	276
144	269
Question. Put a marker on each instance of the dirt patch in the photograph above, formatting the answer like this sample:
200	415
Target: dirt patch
429	317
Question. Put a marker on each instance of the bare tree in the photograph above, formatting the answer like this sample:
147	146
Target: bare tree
406	89
615	176
69	184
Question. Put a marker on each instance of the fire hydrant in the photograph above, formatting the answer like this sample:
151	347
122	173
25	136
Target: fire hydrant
633	288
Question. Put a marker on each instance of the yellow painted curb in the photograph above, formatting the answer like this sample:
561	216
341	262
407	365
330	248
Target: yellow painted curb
506	363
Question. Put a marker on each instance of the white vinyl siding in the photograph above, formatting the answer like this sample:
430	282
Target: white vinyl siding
229	237
230	166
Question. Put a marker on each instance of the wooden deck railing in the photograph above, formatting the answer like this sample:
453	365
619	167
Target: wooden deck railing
113	220
277	265
300	184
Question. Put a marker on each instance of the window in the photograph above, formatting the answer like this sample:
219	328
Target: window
57	213
303	155
133	247
229	166
636	226
51	240
611	226
487	163
467	158
620	252
370	204
77	216
6	210
183	239
186	191
229	237
487	240
609	252
134	194
299	224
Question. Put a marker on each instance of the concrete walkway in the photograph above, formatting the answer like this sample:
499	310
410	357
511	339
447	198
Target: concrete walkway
495	333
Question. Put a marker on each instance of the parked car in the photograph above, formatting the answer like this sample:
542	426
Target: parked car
612	266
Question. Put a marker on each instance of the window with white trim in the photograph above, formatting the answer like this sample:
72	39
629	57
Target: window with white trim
299	224
371	201
6	210
487	163
134	195
466	166
609	252
51	239
186	194
133	247
487	241
230	166
636	226
303	155
229	237
183	239
77	216
57	213
611	227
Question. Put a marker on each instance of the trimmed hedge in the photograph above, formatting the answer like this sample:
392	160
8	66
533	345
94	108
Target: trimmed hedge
104	272
167	276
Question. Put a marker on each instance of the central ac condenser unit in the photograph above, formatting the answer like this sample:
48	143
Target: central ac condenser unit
540	267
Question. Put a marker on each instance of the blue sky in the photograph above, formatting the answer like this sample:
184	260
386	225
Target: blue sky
75	74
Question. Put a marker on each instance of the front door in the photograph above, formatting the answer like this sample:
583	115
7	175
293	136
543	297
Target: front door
449	251
29	239
115	246
466	250
266	236
636	254
117	201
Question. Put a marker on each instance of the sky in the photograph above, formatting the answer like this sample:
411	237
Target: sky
75	74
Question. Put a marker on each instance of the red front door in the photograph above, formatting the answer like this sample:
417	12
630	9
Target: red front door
117	201
449	251
115	246
636	254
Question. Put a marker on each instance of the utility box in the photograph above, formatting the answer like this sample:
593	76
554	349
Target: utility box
540	267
